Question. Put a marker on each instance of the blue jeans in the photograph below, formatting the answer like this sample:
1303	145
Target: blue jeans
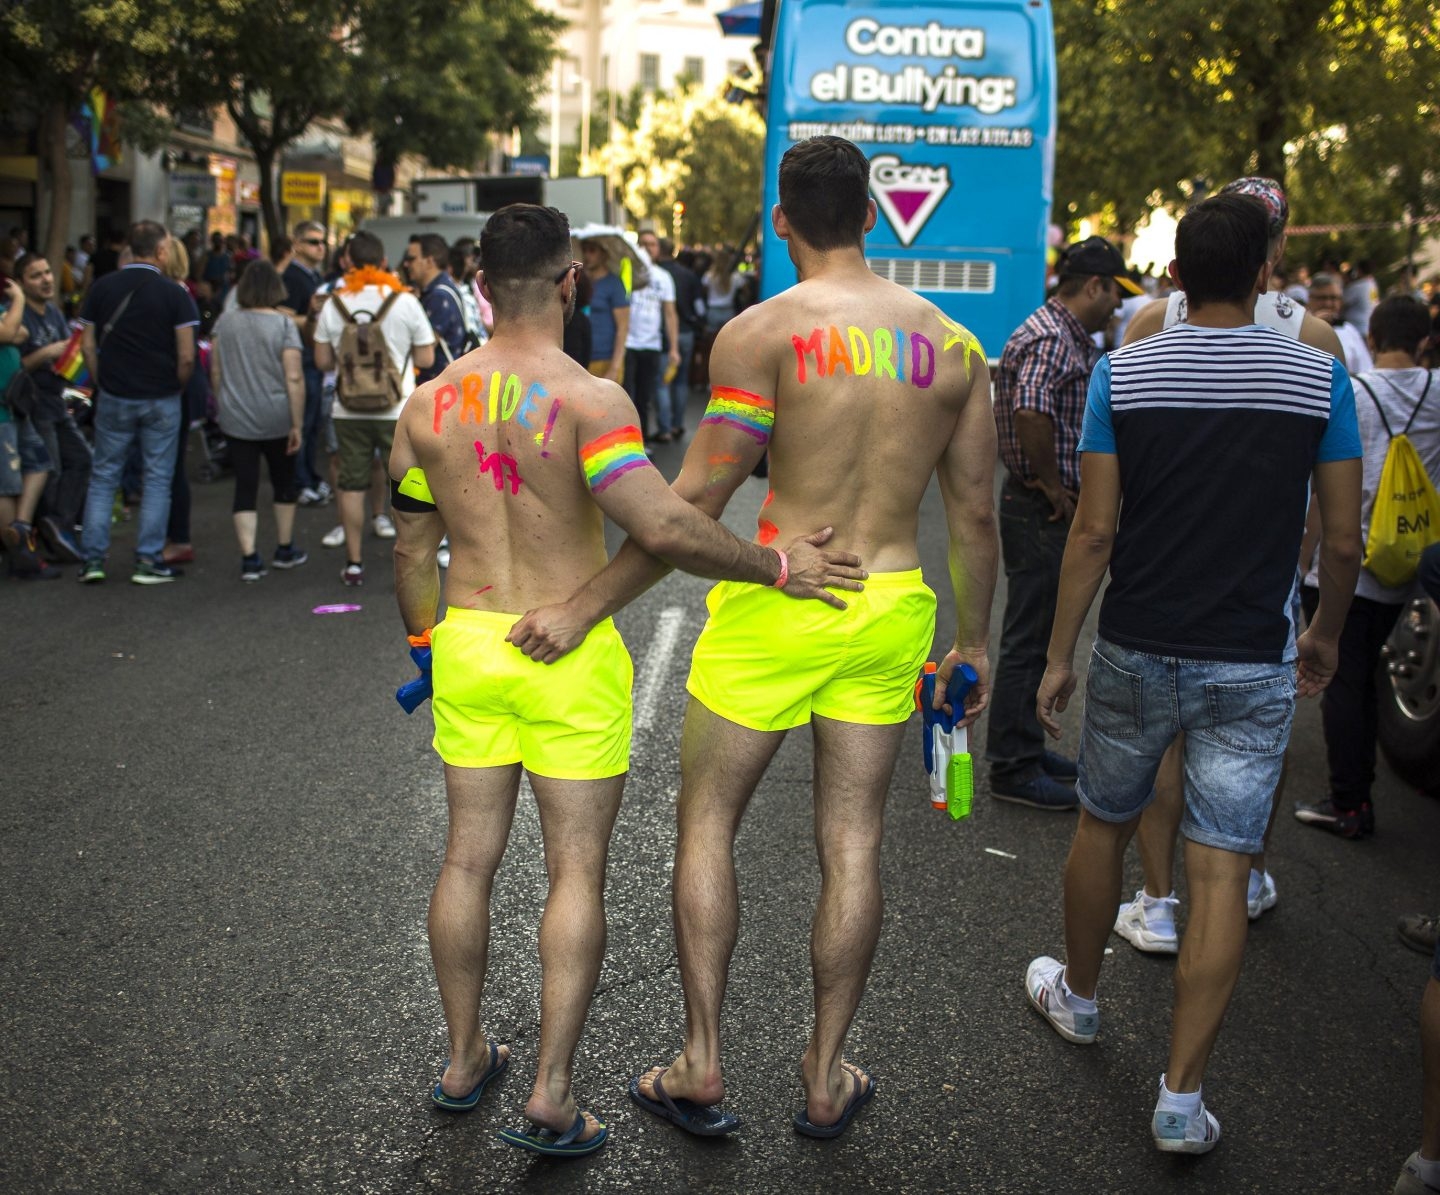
673	396
155	423
1033	547
1236	718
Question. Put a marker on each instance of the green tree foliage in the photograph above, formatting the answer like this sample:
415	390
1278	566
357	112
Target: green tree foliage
439	75
1154	93
691	148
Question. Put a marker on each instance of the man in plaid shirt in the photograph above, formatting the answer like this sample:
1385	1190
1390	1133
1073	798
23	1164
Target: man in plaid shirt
1040	392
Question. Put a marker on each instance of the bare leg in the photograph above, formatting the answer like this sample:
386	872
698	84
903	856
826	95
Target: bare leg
352	517
482	805
1430	1064
380	496
1160	823
576	817
1210	957
853	765
245	531
720	765
284	522
32	485
1092	894
8	515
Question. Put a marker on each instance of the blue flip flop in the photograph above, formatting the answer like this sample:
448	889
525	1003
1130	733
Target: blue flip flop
858	1099
704	1120
463	1103
540	1140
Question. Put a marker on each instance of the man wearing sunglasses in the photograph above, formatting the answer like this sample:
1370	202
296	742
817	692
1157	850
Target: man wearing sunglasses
302	278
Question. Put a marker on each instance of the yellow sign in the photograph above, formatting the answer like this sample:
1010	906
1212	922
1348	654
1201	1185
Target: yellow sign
302	190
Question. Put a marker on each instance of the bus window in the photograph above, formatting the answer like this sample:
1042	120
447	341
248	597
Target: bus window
954	105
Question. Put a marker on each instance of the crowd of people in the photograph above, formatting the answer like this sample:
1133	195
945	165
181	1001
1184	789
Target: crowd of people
1233	393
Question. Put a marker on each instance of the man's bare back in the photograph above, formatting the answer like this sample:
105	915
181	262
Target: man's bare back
869	382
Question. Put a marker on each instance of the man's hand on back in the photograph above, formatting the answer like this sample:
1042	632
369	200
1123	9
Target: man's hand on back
549	632
812	569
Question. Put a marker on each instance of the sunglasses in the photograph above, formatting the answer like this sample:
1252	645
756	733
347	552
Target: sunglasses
312	241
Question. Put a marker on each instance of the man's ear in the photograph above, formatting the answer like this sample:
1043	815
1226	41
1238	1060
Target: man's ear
872	213
1262	279
779	222
1173	269
485	286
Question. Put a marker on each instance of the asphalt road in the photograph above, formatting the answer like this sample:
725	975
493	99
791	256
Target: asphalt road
219	833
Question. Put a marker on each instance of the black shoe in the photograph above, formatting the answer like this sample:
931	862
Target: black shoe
1419	932
1039	792
26	566
1060	767
61	544
289	556
1326	815
154	572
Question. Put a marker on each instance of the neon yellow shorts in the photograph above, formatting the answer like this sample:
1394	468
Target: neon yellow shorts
767	661
569	720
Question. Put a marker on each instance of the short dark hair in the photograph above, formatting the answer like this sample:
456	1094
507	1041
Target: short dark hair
146	237
366	249
523	245
433	246
280	248
24	262
260	285
667	247
825	192
1220	245
1398	323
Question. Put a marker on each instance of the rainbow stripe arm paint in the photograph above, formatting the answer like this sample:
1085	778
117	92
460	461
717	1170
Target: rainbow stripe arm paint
607	459
741	410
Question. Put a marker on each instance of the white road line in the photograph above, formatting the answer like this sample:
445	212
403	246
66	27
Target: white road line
657	662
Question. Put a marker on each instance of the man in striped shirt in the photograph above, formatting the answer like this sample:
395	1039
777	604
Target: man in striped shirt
1039	404
1211	431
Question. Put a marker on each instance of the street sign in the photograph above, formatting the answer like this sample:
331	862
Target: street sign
193	189
302	190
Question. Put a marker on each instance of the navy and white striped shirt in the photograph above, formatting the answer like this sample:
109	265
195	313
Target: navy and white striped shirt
1217	431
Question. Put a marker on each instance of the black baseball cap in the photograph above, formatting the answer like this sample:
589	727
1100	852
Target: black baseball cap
1096	255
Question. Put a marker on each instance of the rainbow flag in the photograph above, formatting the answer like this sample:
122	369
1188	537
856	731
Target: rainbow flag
71	366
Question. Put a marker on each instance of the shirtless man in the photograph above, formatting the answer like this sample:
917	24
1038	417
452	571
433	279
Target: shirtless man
860	390
1148	921
518	453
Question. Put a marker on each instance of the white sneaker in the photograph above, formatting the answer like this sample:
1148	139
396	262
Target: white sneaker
1149	927
334	537
1261	894
1410	1182
1179	1133
384	528
1042	986
309	497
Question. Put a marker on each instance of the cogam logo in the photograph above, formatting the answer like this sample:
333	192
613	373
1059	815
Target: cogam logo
907	192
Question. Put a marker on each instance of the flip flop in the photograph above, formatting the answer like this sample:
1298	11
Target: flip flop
463	1103
704	1120
858	1099
540	1140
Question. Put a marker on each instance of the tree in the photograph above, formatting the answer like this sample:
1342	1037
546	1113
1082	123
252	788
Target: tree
695	149
1154	93
61	51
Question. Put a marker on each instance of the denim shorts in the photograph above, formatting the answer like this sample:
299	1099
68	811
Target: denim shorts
1236	719
22	452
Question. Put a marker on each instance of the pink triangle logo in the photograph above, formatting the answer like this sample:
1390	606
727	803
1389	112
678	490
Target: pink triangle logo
907	192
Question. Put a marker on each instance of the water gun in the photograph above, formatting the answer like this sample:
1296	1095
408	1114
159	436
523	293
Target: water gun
946	746
411	694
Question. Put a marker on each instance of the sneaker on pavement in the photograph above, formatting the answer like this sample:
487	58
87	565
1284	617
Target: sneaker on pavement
1178	1133
1326	815
1418	932
252	568
61	543
309	497
325	492
1261	894
1060	767
1411	1182
1039	792
1042	986
353	574
154	572
93	572
290	557
384	528
333	538
1148	923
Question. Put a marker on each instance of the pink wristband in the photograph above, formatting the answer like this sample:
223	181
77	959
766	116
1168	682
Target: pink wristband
779	582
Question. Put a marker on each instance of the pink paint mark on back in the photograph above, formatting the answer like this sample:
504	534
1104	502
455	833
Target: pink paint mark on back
478	592
549	427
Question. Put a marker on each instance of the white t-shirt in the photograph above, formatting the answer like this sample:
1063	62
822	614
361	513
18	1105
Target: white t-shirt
1398	392
1357	352
405	329
647	311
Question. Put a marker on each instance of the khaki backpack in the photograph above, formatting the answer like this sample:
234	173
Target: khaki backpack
366	379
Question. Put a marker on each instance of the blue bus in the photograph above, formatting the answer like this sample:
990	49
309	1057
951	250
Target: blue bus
954	105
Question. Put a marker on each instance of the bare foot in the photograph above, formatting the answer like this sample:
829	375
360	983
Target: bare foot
681	1082
461	1076
824	1105
548	1114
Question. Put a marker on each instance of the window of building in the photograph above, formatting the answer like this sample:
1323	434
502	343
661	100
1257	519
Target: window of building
650	72
694	70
